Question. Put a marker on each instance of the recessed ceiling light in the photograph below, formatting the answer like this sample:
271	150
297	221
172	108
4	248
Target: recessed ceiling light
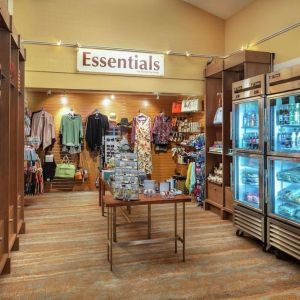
64	100
106	102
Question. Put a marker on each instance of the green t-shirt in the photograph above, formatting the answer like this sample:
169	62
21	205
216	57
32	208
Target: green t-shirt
71	130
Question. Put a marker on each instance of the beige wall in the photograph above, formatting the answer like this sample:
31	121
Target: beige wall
262	18
142	24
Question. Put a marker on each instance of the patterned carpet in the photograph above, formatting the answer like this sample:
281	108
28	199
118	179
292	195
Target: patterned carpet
63	256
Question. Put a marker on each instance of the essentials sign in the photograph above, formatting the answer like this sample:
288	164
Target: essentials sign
120	62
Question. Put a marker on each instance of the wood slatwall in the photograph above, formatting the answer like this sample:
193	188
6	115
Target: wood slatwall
125	106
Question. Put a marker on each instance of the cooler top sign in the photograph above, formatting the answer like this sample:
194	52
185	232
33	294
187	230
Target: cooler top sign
120	62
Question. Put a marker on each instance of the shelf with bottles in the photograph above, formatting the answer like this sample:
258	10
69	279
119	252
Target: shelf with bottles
285	124
288	114
246	125
287	140
250	141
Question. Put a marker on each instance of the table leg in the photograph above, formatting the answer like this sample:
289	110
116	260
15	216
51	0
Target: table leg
115	223
102	194
149	221
108	234
111	238
183	231
175	217
100	202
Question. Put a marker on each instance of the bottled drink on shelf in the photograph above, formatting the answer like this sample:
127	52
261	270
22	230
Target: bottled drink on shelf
294	139
292	114
251	140
298	140
280	115
286	115
297	113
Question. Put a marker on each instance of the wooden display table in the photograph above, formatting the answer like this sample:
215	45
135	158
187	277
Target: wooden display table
112	206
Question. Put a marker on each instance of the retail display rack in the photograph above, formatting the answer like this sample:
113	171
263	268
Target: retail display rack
12	62
219	76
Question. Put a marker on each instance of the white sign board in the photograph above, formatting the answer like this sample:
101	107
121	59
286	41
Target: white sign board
120	62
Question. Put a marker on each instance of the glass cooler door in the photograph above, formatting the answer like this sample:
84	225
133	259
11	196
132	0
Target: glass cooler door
284	189
284	124
248	180
247	125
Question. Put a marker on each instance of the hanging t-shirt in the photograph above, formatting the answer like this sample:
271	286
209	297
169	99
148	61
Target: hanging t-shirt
72	133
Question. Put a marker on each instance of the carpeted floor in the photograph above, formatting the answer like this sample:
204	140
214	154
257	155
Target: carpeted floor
63	256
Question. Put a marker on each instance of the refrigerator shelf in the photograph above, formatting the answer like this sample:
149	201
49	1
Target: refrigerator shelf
288	125
250	127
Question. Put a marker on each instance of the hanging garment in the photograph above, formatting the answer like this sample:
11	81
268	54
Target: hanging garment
141	138
71	131
33	178
42	128
30	154
27	125
191	177
49	170
96	129
162	128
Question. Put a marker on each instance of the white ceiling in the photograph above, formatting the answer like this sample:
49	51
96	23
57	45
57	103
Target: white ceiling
220	8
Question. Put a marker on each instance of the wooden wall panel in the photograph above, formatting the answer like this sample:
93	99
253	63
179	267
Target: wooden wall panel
124	105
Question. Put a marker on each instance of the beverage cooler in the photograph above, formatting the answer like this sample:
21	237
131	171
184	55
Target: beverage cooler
283	189
249	157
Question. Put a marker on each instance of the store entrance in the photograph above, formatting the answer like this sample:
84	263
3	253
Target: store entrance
120	109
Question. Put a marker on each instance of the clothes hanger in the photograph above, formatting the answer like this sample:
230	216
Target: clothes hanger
71	112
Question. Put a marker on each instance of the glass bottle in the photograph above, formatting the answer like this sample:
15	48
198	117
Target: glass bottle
280	117
245	120
297	113
286	114
292	114
294	139
298	141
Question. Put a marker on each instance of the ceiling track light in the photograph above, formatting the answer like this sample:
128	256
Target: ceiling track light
187	53
59	43
168	52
